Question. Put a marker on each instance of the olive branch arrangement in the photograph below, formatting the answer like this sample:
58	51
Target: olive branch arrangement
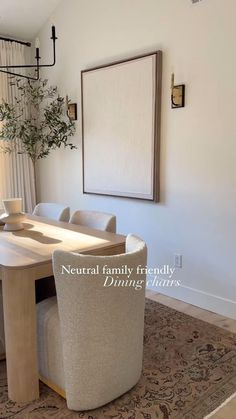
36	122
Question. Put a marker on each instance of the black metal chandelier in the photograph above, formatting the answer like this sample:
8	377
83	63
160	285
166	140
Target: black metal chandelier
37	66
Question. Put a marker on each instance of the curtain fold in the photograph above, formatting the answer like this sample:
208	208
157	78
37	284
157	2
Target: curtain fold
16	170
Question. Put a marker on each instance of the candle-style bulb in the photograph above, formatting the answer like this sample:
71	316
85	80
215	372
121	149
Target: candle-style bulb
37	43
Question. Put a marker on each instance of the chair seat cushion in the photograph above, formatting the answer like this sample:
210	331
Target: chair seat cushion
49	342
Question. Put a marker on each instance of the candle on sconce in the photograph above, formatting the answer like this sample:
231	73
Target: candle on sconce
37	43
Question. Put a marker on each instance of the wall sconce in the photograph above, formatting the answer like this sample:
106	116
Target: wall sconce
71	110
177	94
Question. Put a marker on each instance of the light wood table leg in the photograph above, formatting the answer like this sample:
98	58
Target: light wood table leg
20	334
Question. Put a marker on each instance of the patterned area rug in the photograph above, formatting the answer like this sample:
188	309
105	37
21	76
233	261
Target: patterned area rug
189	370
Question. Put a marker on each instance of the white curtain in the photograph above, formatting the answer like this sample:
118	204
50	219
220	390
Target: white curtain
16	170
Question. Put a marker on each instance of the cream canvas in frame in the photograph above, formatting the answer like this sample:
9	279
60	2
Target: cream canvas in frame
121	127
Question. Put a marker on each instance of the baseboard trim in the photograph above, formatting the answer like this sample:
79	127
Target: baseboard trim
207	301
220	407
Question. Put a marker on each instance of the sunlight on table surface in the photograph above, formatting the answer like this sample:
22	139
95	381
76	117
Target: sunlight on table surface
38	240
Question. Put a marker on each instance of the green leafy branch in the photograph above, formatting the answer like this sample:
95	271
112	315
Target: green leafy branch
36	123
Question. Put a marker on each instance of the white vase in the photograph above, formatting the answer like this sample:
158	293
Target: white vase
13	216
12	205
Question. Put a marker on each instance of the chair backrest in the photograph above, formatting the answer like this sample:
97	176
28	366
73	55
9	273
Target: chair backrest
52	211
101	309
95	219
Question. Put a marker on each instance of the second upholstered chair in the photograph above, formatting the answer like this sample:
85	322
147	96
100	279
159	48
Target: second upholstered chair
95	219
52	211
90	337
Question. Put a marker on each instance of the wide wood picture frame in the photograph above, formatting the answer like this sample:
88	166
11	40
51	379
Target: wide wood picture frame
121	109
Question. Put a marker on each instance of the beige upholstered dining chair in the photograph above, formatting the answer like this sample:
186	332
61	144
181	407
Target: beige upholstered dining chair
90	337
95	219
52	211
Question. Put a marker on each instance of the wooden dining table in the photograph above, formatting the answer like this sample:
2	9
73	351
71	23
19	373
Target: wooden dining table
26	256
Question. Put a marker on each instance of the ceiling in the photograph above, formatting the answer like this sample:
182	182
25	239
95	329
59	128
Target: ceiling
22	19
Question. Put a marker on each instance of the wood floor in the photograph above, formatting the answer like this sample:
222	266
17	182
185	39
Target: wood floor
228	411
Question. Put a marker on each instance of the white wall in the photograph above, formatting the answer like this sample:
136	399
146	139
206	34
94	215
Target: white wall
196	216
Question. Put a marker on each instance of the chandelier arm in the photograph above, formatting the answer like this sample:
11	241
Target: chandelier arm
54	56
21	75
35	65
19	66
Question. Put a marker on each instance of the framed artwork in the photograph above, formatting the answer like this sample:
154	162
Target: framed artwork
121	105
